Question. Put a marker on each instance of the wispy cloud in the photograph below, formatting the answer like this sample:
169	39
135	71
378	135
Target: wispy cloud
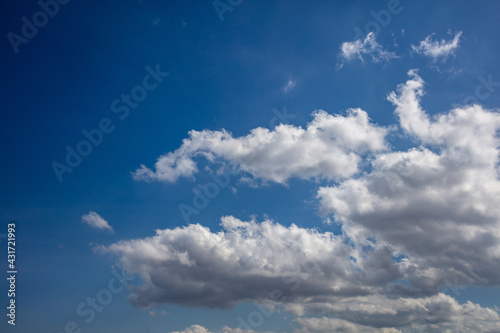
96	221
289	85
364	47
436	49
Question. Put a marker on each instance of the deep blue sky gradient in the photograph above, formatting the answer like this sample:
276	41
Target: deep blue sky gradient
223	74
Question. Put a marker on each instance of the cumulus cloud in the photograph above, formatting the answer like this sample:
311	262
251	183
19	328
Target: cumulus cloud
436	49
329	147
96	221
439	313
246	261
413	221
364	47
375	314
436	203
302	270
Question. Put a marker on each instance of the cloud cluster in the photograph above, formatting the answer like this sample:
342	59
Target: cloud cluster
329	147
369	47
96	221
436	203
411	222
436	314
437	49
302	270
364	47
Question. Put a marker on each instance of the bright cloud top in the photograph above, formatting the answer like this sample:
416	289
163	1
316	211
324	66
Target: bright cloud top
436	49
299	269
329	148
96	221
367	47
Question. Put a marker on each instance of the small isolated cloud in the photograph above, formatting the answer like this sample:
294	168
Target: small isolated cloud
154	313
436	49
367	47
289	86
96	221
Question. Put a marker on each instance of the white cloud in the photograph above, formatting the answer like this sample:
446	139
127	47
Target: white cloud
225	329
302	270
96	221
245	261
434	207
326	324
436	314
375	314
194	329
329	148
367	47
289	85
436	203
437	49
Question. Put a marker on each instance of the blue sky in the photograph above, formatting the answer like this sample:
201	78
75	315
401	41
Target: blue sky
263	60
